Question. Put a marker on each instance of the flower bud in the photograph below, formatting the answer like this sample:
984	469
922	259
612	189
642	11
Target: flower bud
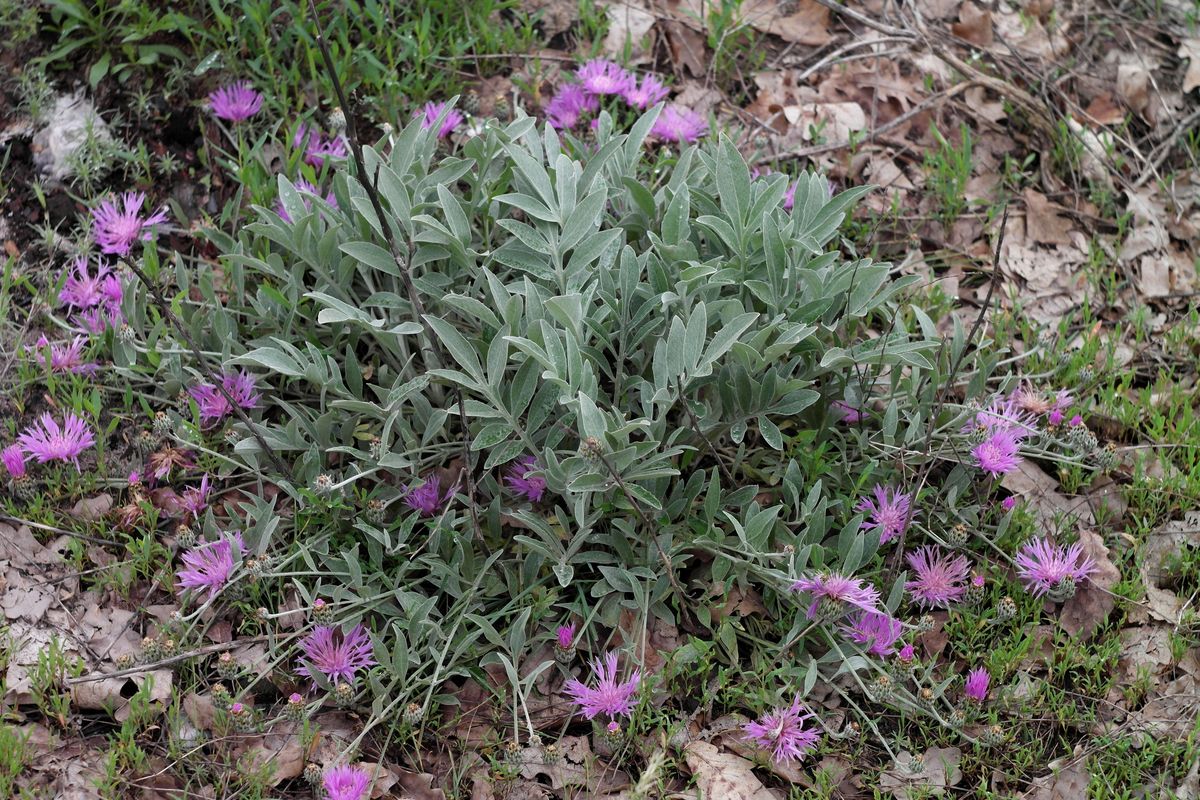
227	668
1006	609
343	695
295	710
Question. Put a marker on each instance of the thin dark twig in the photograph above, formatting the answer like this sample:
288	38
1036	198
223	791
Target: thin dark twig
165	308
695	423
200	651
468	467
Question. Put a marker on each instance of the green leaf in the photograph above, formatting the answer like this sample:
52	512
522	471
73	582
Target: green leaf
460	349
491	436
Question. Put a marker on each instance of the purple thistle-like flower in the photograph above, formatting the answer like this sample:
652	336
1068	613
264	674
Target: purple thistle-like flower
782	732
432	111
789	197
889	511
1002	414
117	228
565	636
317	148
236	102
304	186
63	358
1055	417
941	577
213	405
847	413
208	565
335	654
346	783
195	498
907	653
427	498
81	289
46	441
837	588
1041	564
519	479
611	696
1009	503
1075	421
976	686
570	103
601	76
649	92
13	459
999	454
677	124
875	629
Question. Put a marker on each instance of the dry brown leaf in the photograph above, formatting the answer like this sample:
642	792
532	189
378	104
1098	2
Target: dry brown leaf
112	694
938	9
1133	85
1154	275
939	773
1163	544
283	752
627	24
1190	49
1041	492
91	509
1043	223
1103	110
686	46
419	786
555	16
1071	783
974	25
724	775
1172	712
1093	599
808	24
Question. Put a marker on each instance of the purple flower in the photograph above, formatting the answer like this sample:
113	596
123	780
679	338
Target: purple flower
432	111
941	577
782	732
346	783
1001	414
847	413
907	653
63	358
600	76
878	631
213	405
46	441
317	148
427	498
335	654
789	197
1009	503
522	482
195	498
565	635
116	229
304	186
677	124
82	290
236	102
649	92
831	588
13	458
999	454
976	686
1055	417
889	511
611	697
1075	421
1041	565
569	103
208	565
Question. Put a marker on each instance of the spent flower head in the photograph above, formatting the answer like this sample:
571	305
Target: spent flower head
1042	564
782	732
236	102
941	578
610	696
46	440
118	223
335	654
889	511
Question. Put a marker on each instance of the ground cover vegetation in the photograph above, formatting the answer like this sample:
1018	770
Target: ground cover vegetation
555	399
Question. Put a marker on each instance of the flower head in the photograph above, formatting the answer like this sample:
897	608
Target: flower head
830	587
317	148
522	482
907	653
565	636
1003	413
676	124
875	629
889	511
1041	565
335	654
782	732
1009	503
213	404
1075	421
236	102
81	289
600	76
346	783
304	187
208	565
63	358
427	497
846	412
195	498
46	441
611	696
569	103
941	577
432	111
976	686
649	92
117	228
13	459
999	454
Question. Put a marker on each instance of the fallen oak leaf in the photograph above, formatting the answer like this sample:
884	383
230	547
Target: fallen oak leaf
1093	599
724	775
